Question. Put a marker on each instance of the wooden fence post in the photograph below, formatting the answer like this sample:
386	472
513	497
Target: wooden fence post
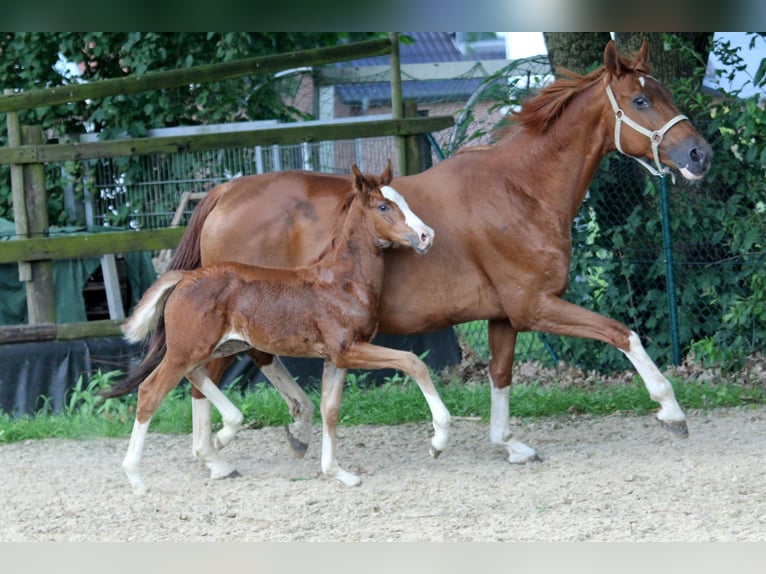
417	151
17	189
397	104
41	303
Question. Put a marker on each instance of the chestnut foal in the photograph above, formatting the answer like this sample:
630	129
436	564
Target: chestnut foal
328	308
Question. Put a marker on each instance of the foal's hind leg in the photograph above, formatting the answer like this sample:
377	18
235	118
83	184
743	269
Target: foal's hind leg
204	449
150	394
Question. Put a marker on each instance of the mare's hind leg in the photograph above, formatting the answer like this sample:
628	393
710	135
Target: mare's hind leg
204	449
150	394
502	345
301	407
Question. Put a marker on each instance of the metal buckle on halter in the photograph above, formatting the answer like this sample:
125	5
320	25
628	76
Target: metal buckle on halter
655	137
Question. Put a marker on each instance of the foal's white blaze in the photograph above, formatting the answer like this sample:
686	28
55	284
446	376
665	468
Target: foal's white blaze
412	220
658	386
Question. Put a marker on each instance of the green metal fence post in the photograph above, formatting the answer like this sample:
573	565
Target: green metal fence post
671	286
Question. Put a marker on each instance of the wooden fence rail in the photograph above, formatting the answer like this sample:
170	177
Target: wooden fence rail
194	75
34	251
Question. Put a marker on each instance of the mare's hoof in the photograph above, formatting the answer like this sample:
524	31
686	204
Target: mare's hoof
678	428
297	447
233	474
434	452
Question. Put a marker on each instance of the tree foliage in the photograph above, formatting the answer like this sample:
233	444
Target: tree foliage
29	61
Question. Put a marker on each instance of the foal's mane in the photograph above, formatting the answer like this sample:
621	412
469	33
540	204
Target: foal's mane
542	110
343	213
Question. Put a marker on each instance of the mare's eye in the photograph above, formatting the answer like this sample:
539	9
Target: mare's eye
383	207
641	102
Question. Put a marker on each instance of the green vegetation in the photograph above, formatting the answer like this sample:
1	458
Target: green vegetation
398	400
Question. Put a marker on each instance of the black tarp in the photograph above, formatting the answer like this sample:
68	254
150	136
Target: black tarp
31	373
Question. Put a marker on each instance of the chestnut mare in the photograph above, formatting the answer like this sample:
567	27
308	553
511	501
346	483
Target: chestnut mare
325	309
503	214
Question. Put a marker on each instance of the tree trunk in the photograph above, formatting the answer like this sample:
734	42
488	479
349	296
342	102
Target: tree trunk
670	61
579	52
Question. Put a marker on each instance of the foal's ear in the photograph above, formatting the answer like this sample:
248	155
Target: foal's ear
612	59
360	183
388	174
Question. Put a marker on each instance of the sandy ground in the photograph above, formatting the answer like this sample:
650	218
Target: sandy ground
614	478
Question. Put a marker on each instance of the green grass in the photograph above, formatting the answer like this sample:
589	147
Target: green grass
398	400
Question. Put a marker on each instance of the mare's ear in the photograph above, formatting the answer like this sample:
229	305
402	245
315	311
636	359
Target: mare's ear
612	59
642	58
360	183
388	174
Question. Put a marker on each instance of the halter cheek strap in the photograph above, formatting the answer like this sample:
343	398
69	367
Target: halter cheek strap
655	136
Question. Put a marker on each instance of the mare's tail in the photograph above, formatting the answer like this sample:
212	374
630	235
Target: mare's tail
186	256
146	317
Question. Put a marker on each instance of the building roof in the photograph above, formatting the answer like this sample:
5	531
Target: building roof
425	48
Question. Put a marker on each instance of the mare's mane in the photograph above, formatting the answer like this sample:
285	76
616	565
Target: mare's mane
541	110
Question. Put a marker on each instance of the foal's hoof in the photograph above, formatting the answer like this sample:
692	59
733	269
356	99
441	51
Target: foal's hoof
434	452
233	474
678	428
297	446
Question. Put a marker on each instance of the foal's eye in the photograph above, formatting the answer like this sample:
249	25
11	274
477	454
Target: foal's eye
383	207
641	102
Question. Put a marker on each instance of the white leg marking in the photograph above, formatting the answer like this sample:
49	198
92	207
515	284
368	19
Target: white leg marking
332	390
132	460
301	407
230	415
659	387
500	427
202	438
440	420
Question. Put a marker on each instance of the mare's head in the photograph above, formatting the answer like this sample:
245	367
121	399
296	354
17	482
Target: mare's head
647	124
387	215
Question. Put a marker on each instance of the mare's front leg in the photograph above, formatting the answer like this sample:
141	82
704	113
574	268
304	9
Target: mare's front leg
332	395
204	449
502	346
563	318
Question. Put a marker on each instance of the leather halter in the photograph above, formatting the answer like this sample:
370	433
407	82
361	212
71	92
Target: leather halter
655	136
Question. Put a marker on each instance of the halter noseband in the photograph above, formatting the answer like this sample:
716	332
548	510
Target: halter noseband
654	136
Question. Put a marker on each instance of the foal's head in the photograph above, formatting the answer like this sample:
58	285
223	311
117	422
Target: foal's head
387	215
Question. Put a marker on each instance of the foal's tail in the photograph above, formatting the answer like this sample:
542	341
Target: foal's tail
146	318
187	256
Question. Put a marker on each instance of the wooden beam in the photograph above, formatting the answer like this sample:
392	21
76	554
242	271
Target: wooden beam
61	332
194	75
88	245
312	131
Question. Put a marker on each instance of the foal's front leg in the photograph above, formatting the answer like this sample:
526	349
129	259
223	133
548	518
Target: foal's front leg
332	394
369	356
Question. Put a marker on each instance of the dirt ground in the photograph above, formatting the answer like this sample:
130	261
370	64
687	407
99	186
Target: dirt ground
612	478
